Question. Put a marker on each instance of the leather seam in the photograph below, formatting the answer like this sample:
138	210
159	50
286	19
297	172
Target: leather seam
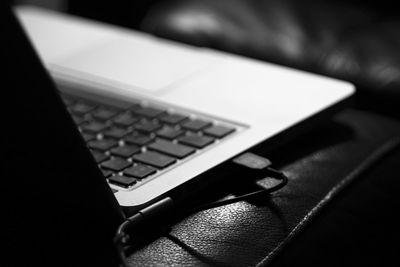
388	147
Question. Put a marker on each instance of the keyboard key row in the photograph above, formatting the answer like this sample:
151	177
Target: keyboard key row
155	159
99	117
128	118
132	144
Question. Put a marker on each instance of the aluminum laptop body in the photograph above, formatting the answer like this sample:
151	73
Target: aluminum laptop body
261	101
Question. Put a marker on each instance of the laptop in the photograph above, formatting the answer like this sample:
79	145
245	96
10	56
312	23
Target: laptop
202	106
85	151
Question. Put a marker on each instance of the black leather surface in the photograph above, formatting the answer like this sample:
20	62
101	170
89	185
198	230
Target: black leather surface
247	234
360	227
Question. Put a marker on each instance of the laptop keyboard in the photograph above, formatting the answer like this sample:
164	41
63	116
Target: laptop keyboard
134	144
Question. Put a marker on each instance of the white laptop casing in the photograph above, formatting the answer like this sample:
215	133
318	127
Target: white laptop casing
260	99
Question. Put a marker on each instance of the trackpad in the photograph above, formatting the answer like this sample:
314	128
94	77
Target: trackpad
145	64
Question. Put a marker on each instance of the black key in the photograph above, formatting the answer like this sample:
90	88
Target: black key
125	151
154	159
122	180
196	125
140	171
173	118
78	119
99	156
87	137
81	108
169	148
219	131
115	164
169	133
125	119
116	132
94	127
104	113
103	144
197	141
139	139
150	112
106	173
147	126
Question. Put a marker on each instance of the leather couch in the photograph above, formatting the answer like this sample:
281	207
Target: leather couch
340	205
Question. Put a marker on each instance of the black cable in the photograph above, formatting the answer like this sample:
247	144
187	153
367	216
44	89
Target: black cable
270	172
246	162
121	240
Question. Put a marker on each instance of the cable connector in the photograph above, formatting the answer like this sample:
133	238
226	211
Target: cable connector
258	166
252	161
151	213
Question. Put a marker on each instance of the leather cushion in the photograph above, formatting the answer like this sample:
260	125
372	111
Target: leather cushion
251	233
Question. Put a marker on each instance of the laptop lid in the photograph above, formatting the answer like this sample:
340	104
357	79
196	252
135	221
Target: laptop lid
50	218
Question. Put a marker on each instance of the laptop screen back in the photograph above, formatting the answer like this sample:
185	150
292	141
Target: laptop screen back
50	219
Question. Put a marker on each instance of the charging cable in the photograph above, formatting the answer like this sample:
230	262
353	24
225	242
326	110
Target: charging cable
248	162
